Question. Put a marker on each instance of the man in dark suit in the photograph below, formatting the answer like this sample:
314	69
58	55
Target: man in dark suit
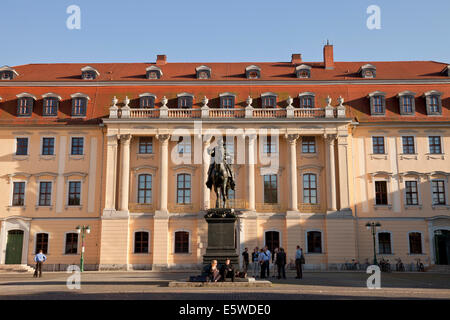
227	271
281	263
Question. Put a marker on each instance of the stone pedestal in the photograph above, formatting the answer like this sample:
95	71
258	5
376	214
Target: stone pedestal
221	236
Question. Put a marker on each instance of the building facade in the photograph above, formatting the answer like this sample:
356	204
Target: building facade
318	150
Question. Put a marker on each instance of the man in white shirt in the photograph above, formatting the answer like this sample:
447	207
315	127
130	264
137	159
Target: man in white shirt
266	256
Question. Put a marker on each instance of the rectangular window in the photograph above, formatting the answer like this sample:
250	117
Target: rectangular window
141	242
269	102
309	188
79	107
438	189
145	145
307	102
270	145
433	104
415	243
308	144
45	193
48	146
181	242
184	188
184	145
74	193
314	242
145	189
270	189
408	145
25	107
50	107
381	193
77	146
412	198
147	102
185	102
41	243
407	104
227	102
384	243
378	104
71	243
22	146
18	194
435	144
378	145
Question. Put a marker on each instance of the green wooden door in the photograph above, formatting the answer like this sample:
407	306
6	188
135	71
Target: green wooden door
14	247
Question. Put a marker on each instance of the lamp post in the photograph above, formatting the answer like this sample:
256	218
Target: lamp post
373	227
83	230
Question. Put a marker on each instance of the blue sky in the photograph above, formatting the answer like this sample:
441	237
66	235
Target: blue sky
230	30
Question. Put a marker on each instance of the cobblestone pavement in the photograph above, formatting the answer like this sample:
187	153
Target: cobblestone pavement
154	285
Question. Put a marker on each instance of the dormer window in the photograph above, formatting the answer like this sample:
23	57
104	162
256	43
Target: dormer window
203	72
253	72
7	73
407	103
306	99
89	73
368	71
153	72
446	71
377	103
185	100
433	102
303	71
269	100
79	104
50	105
147	100
25	102
227	100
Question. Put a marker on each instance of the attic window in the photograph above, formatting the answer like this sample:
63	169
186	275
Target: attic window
377	103
433	102
25	102
306	99
303	71
79	104
253	72
446	71
147	100
203	72
7	73
153	72
227	100
407	103
89	73
368	71
185	100
50	105
269	100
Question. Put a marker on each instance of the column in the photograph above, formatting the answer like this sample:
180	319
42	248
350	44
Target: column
124	171
251	172
164	167
206	163
292	141
331	176
343	173
110	179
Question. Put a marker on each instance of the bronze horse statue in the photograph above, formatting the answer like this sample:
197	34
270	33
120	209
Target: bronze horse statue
220	176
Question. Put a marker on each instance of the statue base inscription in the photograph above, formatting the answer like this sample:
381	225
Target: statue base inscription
221	236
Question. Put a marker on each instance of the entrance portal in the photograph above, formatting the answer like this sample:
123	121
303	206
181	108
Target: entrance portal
272	240
14	247
442	246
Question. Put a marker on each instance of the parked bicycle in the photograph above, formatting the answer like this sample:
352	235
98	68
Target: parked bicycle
419	266
384	265
399	266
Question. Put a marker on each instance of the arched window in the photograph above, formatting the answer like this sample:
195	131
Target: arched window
384	243
145	188
415	243
71	243
314	241
183	188
310	188
306	100
141	242
181	242
41	243
272	240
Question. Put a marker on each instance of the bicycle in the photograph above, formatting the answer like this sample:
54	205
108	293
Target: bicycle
419	266
399	266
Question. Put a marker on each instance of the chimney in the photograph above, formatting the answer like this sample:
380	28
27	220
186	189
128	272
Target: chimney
296	58
161	59
328	59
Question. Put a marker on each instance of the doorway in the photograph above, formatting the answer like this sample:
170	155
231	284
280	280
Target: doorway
272	240
14	247
442	246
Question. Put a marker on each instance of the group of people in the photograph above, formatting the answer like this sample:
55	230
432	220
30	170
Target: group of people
262	261
226	271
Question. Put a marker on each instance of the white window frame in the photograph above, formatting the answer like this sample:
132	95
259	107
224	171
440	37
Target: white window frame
421	240
415	143
419	194
385	145
15	146
134	242
84	145
321	242
189	242
441	140
65	242
437	178
176	187
378	243
35	242
42	146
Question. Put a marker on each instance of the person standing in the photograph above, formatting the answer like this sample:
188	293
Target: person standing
281	263
262	264
246	260
273	262
298	262
39	258
255	262
267	256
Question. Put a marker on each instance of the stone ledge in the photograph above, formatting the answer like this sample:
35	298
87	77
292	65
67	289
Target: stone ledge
226	284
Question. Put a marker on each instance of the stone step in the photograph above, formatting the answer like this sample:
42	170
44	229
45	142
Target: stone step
5	268
229	284
439	269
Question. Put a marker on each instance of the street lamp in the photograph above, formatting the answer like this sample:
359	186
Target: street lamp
83	230
373	227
